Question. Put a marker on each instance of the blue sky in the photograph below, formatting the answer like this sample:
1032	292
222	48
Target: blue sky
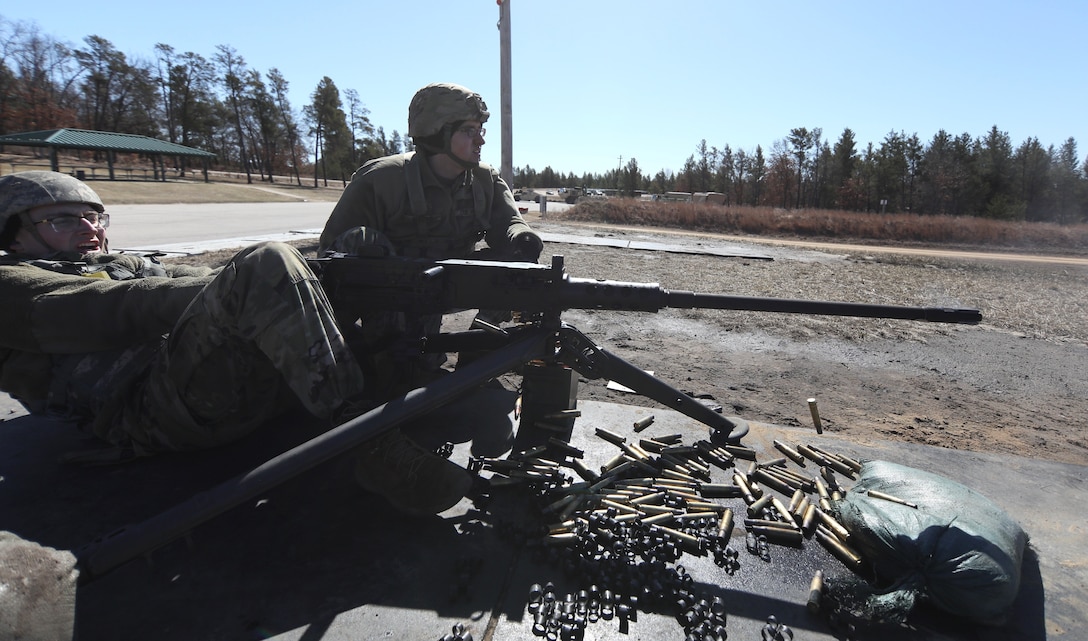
597	81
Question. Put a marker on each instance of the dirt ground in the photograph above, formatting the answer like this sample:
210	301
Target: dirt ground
1015	383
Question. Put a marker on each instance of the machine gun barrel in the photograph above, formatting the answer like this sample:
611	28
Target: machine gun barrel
689	300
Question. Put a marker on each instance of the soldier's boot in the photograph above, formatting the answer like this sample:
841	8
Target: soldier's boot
417	482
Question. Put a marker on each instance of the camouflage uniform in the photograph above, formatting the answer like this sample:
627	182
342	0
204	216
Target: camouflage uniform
419	213
399	203
162	359
171	359
401	198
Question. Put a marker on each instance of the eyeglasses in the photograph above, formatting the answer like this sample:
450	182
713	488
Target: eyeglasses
70	222
472	131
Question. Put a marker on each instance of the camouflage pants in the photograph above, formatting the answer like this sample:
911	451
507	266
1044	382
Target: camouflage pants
262	324
388	337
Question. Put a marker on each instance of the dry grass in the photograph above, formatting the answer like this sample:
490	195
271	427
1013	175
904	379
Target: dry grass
136	184
829	225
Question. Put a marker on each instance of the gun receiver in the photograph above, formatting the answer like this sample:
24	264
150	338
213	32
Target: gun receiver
433	287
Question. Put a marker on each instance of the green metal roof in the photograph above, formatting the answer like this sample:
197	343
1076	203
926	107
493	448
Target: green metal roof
101	140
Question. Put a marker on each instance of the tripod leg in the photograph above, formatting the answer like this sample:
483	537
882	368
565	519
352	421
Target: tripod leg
585	357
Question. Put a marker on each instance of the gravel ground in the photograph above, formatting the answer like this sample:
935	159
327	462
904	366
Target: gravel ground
1013	384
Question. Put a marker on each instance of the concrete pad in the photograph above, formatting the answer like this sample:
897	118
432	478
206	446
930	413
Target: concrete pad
319	558
37	591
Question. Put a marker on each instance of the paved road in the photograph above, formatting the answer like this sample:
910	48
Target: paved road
164	226
190	228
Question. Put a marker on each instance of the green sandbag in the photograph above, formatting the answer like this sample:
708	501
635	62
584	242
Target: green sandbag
956	549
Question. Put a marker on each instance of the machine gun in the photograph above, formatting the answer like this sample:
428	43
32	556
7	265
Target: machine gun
421	286
539	294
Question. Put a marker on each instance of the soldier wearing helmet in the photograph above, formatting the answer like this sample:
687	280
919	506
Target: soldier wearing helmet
72	217
438	201
155	358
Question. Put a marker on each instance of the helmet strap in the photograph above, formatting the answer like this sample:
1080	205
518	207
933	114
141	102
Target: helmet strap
32	229
447	138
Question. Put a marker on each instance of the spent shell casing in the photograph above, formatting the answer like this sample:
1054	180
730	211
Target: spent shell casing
695	516
790	453
795	500
650	445
717	457
745	489
845	460
800	509
565	447
563	414
581	470
657	519
682	451
705	506
649	508
811	454
562	538
834	525
562	528
643	423
781	508
740	451
755	509
688	540
725	525
719	491
808	521
894	499
622	507
611	436
815	413
775	462
670	439
840	550
815	592
839	466
828	473
784	525
774	482
636	451
779	535
687	496
614	462
649	499
677	474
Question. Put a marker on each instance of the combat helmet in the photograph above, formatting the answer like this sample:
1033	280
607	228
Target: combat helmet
26	190
22	191
440	104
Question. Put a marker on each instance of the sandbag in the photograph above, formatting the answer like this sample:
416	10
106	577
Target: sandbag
956	549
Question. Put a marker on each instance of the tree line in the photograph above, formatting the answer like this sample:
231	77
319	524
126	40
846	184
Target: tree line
218	104
951	175
222	105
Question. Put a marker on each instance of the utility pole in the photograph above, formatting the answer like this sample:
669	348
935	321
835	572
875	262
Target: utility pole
506	109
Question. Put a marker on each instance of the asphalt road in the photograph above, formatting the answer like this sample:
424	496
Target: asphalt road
164	226
189	228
